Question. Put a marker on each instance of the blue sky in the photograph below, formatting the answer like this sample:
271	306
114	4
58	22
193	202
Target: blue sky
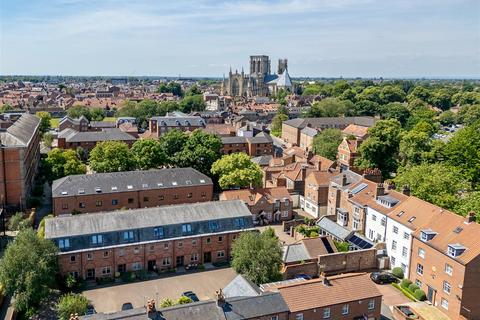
349	38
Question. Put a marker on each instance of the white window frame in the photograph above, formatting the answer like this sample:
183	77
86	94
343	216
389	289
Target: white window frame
326	313
371	304
444	303
447	287
448	269
421	253
345	309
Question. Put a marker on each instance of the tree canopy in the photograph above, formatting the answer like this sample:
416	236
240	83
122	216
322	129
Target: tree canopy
71	303
78	111
326	143
173	142
329	107
28	269
60	163
111	156
257	256
148	154
171	87
237	170
45	118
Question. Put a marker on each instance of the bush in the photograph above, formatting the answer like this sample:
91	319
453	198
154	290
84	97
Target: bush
17	222
70	282
184	300
127	276
413	287
405	283
420	294
142	274
71	303
167	303
398	272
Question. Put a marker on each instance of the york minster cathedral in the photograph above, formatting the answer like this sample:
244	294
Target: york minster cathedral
260	82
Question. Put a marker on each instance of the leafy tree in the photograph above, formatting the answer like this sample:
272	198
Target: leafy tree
173	142
312	89
391	94
420	114
339	87
326	143
380	149
257	256
371	93
192	103
193	91
447	118
45	118
78	111
48	139
97	114
413	146
60	163
329	107
27	269
441	98
18	222
71	303
148	153
420	93
111	156
201	150
171	87
469	114
396	110
276	128
463	152
469	202
366	108
437	183
463	98
237	170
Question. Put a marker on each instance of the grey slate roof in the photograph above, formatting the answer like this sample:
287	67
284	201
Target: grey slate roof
309	131
352	178
72	120
262	160
241	287
262	137
174	120
102	124
266	304
104	222
128	181
231	140
295	252
301	123
112	134
21	132
333	228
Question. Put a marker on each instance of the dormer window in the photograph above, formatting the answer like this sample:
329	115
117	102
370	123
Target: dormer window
114	188
188	182
81	191
202	180
129	187
427	235
98	190
64	193
174	183
145	185
454	250
160	184
186	228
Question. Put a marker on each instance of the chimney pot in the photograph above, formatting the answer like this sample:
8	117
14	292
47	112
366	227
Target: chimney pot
470	217
380	191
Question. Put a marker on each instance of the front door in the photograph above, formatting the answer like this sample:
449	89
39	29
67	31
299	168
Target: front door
207	257
90	274
179	261
431	294
152	265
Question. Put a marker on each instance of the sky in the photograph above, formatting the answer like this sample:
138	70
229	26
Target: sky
320	38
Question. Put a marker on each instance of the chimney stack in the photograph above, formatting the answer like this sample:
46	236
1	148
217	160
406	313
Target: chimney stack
344	180
406	190
325	280
470	217
380	191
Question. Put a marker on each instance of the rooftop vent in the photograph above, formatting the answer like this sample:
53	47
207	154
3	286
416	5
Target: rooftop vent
458	229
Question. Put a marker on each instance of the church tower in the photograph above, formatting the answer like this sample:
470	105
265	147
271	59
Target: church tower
282	66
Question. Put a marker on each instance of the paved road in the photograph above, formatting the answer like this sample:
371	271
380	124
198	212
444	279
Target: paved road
204	284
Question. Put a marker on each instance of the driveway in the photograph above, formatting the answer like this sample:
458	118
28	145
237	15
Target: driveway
204	284
390	296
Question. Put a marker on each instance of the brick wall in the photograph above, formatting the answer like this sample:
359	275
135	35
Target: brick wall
308	267
352	261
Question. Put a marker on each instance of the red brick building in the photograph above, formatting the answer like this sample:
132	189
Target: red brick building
267	204
445	263
99	244
19	158
260	145
349	296
131	189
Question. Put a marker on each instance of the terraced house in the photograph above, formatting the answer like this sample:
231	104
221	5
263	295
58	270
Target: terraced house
99	244
130	189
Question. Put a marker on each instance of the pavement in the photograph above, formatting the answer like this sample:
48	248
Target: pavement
282	236
390	296
46	207
203	283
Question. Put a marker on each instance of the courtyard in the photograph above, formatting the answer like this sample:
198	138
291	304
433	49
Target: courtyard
204	284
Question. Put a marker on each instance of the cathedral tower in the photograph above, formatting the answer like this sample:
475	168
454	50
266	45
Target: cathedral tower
282	66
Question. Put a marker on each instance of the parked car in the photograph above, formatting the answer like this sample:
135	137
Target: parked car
383	277
191	295
90	310
303	276
127	306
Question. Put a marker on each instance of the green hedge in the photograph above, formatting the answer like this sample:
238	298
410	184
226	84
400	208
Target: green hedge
405	283
398	272
420	294
404	291
413	287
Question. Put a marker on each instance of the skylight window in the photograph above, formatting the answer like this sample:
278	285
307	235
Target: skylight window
202	180
114	188
188	182
160	184
64	193
98	190
81	191
400	213
411	219
129	187
145	185
174	183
